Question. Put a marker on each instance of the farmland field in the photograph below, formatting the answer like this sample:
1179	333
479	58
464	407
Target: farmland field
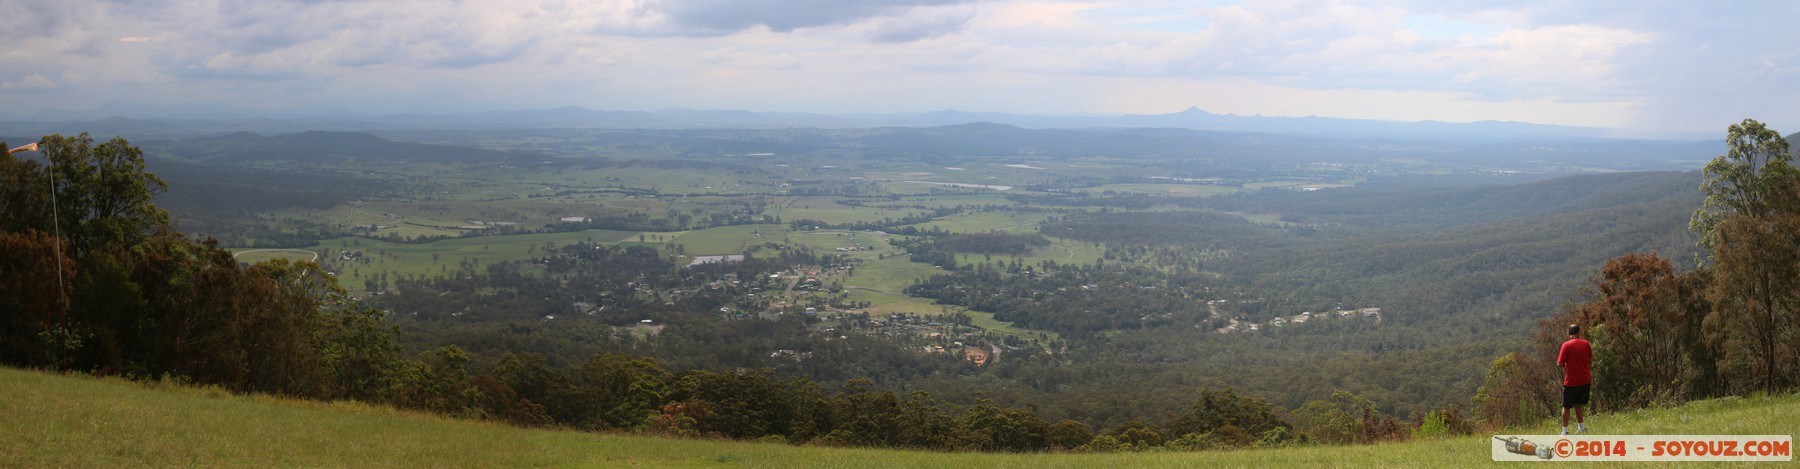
1183	190
985	221
435	258
726	239
253	256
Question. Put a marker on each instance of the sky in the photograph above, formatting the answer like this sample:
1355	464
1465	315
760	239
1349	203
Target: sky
1686	66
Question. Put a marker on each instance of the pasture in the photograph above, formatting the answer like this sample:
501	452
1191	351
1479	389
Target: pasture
977	222
1176	190
726	239
439	257
253	256
1060	251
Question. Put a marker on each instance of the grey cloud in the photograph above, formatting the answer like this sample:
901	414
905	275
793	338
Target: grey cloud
29	18
921	25
200	71
255	27
285	40
465	58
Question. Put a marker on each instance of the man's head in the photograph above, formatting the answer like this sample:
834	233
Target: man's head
1574	330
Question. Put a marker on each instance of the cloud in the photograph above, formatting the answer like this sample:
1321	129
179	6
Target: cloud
29	82
1339	46
727	16
920	23
1672	65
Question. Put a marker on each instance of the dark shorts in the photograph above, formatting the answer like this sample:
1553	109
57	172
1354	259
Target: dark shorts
1575	396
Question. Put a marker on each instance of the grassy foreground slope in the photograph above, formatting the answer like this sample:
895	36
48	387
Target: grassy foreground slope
49	420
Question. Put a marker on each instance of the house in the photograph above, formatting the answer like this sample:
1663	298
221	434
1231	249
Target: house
576	220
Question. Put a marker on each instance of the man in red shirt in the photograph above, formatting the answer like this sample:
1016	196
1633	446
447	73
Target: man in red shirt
1574	358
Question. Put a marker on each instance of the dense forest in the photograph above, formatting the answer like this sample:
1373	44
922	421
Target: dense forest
1665	335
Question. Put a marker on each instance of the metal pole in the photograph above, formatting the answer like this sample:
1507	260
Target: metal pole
60	336
62	293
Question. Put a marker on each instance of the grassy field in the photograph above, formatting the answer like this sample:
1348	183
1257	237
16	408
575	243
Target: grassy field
887	302
1180	190
1296	185
410	259
253	256
727	239
892	274
945	201
985	221
1060	250
52	420
805	211
985	320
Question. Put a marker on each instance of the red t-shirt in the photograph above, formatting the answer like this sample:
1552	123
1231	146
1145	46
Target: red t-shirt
1575	357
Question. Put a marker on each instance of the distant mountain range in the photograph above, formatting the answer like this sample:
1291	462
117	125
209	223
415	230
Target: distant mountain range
314	145
581	118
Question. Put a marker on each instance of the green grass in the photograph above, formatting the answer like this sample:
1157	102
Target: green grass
886	302
409	259
254	256
985	320
945	201
1265	218
1182	190
892	274
52	420
841	214
986	221
727	239
1300	185
1060	250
